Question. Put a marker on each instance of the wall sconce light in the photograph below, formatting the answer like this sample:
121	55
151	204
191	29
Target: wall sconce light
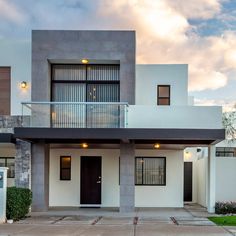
23	85
187	155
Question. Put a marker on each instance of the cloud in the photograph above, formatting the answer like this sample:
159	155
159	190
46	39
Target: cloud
11	12
164	35
228	105
164	30
200	9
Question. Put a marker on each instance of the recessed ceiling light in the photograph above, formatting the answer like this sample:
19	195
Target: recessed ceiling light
84	61
84	145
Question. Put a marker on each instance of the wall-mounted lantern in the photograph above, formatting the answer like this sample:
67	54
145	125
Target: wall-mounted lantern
23	84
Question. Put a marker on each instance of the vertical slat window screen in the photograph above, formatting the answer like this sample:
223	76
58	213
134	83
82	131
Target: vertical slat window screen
103	115
103	72
85	83
139	171
69	115
150	171
69	72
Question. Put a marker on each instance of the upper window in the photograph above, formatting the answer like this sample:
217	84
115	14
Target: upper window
150	171
65	168
10	163
163	95
225	152
83	84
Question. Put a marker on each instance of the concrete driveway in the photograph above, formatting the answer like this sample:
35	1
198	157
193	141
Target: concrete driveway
161	221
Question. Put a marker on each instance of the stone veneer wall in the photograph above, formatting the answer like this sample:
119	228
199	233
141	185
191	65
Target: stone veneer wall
23	150
7	123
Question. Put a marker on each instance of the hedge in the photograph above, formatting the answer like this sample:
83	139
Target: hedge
18	202
225	208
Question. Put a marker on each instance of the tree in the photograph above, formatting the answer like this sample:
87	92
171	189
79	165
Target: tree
229	124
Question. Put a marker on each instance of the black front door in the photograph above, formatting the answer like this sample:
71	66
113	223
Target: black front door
90	190
188	179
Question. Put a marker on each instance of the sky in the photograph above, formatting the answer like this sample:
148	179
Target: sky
200	33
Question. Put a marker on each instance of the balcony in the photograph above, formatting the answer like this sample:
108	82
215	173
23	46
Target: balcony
75	114
119	115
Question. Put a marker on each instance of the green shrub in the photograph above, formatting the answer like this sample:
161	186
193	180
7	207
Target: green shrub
225	207
18	202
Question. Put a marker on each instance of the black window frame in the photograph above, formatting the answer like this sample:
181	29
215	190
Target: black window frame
225	152
5	165
61	158
160	97
145	157
86	82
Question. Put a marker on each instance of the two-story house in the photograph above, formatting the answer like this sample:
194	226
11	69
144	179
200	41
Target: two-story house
102	131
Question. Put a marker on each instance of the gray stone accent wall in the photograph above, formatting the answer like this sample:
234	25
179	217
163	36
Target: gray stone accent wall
22	164
127	181
40	176
7	123
23	150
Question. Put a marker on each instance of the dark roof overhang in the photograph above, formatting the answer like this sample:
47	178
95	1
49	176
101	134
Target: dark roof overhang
116	135
7	138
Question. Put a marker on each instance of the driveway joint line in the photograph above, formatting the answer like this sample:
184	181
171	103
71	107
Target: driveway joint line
96	220
60	219
174	220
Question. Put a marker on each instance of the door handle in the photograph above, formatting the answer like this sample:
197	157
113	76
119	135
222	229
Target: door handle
98	182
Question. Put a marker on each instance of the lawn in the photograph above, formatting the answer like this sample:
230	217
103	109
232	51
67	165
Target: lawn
224	220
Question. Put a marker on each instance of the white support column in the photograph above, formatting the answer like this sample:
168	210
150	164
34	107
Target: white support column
3	194
211	179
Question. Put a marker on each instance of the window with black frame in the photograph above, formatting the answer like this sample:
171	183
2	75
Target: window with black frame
65	168
150	171
225	152
85	84
8	162
163	95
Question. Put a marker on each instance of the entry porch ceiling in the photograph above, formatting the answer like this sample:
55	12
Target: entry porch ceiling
189	137
6	138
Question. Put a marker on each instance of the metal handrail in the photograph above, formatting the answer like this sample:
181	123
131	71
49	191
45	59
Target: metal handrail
75	103
98	115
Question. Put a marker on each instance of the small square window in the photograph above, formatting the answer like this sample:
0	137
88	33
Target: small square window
163	95
65	168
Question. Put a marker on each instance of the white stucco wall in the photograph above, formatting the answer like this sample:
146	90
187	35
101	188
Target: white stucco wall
149	76
225	179
188	117
170	195
67	193
17	55
201	181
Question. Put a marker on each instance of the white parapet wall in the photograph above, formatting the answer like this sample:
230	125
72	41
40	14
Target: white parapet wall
225	178
179	117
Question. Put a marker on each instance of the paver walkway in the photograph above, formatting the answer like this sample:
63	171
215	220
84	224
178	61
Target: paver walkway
159	221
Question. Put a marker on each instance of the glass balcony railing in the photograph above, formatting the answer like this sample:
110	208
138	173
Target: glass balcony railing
75	114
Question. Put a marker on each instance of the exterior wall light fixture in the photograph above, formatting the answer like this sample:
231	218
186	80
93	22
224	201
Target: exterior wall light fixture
23	84
157	145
